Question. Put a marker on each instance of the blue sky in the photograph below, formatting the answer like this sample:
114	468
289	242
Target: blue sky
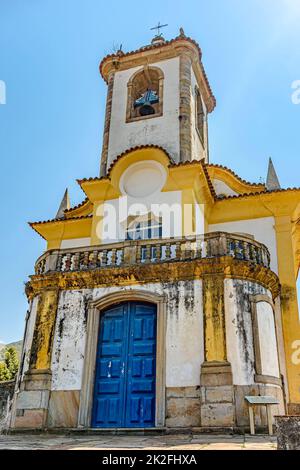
51	125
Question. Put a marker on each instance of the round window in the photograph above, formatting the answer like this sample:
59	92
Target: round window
143	179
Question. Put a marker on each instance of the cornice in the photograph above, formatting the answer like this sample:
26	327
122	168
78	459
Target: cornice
174	271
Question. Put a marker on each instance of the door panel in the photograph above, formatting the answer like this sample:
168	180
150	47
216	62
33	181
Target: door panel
124	391
140	410
108	409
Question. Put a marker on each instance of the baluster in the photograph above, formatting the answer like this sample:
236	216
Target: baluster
268	259
198	248
228	246
178	250
148	253
59	262
85	260
158	252
168	251
259	255
222	245
246	251
253	253
187	251
68	262
236	248
81	259
72	262
104	257
208	247
93	259
263	257
215	247
121	256
76	261
139	249
113	256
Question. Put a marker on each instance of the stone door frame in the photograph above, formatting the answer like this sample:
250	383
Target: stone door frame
95	309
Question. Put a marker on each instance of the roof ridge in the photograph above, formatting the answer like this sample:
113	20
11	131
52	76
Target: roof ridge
86	199
133	149
242	180
258	193
41	222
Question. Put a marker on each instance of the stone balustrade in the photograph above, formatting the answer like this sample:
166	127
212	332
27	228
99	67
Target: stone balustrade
211	245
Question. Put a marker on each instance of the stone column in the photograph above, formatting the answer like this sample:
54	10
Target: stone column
185	109
32	400
217	407
104	156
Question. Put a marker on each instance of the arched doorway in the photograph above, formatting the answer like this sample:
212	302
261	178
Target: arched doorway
125	375
96	309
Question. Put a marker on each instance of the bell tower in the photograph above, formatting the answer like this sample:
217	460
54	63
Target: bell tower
157	95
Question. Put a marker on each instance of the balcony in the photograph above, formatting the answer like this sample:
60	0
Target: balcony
142	252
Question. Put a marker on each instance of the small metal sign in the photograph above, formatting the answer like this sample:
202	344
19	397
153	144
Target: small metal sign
261	400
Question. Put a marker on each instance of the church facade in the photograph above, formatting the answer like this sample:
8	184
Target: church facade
169	293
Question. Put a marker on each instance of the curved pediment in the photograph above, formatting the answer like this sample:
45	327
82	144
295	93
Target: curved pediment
227	183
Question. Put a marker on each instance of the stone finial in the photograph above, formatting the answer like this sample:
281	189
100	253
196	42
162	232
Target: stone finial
120	50
272	182
158	40
181	33
65	204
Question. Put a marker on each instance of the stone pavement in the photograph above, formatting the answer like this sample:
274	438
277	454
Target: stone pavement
162	442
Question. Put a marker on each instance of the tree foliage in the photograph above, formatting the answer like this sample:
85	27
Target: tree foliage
9	367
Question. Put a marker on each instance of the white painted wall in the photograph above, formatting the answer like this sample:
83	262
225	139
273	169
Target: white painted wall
239	340
262	229
184	332
239	330
267	339
163	130
69	342
75	242
185	338
222	188
184	335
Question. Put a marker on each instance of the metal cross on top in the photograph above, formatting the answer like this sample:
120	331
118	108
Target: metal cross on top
158	27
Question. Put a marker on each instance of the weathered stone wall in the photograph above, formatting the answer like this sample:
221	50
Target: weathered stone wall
6	391
240	346
184	349
218	401
183	406
288	432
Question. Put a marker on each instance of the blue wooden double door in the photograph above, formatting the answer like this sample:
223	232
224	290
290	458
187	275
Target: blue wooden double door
124	389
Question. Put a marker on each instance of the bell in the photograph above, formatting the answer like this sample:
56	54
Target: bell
146	110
